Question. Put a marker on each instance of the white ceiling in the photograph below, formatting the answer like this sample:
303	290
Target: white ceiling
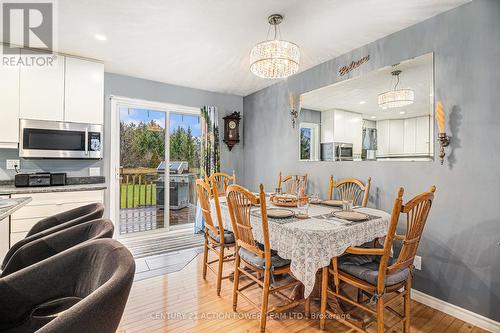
206	44
360	94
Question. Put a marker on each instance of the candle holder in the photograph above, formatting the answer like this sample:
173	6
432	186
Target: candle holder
295	109
295	114
444	141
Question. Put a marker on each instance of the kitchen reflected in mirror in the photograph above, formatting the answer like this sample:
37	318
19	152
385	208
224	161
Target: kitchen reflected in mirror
384	115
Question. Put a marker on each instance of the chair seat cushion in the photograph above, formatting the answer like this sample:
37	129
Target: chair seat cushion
228	236
254	260
365	267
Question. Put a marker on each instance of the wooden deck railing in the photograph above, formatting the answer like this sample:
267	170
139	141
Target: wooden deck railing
137	189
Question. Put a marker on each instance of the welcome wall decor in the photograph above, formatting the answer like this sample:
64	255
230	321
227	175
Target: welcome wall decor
353	65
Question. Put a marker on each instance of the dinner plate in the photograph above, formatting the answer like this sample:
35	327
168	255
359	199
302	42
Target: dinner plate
280	213
334	203
351	216
5	203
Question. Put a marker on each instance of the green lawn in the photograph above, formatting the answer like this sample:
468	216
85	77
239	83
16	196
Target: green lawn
129	197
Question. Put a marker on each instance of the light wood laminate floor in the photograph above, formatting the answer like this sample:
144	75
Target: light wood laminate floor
184	302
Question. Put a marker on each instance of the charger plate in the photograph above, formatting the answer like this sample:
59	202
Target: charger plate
333	203
351	216
280	213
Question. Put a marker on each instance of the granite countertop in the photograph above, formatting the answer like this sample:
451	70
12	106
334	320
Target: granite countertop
7	211
11	189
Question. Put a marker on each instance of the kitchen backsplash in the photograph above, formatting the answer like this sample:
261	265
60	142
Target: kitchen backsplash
74	168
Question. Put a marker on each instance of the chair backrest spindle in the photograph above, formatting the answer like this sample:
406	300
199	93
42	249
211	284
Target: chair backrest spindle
351	189
221	181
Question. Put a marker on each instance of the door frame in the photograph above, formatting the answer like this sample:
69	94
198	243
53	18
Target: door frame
114	181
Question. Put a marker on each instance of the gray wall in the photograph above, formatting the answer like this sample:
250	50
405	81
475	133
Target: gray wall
460	251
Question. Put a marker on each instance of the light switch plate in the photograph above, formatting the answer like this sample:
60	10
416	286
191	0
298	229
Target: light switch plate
10	164
417	262
94	172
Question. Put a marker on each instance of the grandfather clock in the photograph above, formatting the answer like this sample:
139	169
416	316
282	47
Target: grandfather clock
232	129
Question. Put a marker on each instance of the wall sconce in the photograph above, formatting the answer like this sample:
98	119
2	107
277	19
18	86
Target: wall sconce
443	138
295	110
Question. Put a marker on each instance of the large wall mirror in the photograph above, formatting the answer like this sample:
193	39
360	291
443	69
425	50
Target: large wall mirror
384	115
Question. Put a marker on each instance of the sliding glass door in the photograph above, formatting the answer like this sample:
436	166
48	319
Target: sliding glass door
156	162
142	181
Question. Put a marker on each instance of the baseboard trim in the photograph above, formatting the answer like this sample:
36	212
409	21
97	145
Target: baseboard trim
456	311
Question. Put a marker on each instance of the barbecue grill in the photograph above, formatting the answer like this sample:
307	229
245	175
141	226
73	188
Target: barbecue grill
179	185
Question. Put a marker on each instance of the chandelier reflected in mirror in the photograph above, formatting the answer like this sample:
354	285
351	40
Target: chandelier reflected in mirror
397	97
276	58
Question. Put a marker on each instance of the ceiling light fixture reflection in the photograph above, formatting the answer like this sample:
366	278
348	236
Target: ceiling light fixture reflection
397	97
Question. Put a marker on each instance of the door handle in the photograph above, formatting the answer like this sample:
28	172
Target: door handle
86	141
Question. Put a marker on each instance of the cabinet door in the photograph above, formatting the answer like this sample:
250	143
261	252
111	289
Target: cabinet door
9	104
383	137
42	91
410	126
4	234
84	91
396	142
326	126
339	124
355	129
422	145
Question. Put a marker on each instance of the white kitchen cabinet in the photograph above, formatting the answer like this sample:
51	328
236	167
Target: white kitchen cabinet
410	128
383	137
342	126
339	127
42	91
327	119
422	141
84	91
9	104
396	136
4	234
47	204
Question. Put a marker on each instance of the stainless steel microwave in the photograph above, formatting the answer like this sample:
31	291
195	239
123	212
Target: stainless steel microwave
336	151
54	139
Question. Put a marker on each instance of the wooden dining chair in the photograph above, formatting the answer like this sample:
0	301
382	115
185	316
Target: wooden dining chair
291	182
217	239
376	273
351	189
221	181
262	263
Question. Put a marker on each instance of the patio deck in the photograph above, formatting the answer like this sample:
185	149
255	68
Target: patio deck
135	220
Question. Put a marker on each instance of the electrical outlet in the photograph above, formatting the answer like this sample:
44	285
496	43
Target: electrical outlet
417	262
11	164
94	172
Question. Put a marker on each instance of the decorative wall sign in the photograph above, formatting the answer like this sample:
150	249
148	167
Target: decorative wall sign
353	65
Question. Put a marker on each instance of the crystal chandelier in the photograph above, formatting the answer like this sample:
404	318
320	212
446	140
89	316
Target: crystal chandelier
276	58
397	97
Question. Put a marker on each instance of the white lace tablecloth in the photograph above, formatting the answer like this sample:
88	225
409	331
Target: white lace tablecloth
311	243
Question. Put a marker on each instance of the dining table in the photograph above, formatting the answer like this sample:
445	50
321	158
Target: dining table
310	243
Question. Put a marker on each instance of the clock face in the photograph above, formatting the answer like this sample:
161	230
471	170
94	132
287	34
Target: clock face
232	124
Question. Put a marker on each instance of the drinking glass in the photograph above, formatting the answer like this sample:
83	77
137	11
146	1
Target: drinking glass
315	197
347	205
303	207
